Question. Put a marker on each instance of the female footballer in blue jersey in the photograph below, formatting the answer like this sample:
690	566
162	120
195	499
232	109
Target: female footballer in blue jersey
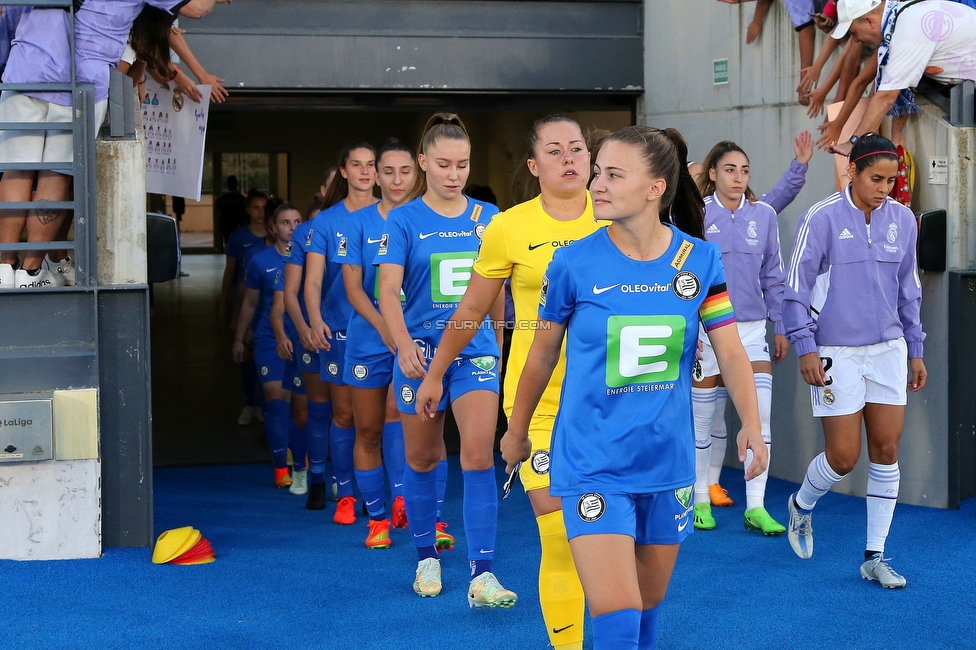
628	300
350	190
431	244
329	310
368	363
259	278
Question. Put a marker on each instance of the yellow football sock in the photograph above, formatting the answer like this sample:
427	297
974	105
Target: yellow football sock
560	591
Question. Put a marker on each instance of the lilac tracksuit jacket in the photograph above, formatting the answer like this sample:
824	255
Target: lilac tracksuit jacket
850	284
787	187
749	241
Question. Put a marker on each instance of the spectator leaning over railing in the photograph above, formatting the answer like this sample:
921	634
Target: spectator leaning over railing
41	53
934	38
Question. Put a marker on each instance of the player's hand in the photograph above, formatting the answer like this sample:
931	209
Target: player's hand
305	338
919	374
808	79
781	346
516	447
237	351
751	438
803	147
831	132
320	335
412	362
817	98
285	349
428	397
811	369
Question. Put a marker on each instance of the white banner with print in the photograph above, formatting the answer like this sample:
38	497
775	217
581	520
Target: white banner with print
176	132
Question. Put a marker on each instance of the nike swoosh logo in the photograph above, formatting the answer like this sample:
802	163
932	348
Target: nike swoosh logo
532	247
373	241
397	484
681	527
480	379
270	270
426	235
421	534
338	234
343	482
484	552
597	290
562	629
369	503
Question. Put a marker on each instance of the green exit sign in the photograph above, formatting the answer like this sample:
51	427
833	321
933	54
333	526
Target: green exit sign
720	72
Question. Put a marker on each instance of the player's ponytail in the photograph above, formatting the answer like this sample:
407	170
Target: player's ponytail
338	189
440	125
666	156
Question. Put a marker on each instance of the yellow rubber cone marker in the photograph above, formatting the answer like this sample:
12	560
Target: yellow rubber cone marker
169	544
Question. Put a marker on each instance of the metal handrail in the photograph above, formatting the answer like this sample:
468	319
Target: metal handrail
81	169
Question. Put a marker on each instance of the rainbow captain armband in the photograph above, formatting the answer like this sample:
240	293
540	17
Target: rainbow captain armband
717	311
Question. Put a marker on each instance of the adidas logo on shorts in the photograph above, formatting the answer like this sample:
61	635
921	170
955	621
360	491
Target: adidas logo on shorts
845	234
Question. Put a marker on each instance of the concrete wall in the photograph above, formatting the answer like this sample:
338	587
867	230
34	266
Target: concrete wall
758	109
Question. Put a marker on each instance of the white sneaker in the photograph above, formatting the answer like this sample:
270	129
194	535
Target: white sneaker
245	417
428	581
299	483
7	277
258	415
65	267
485	591
43	279
877	568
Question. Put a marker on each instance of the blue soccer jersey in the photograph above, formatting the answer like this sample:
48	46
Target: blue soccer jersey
239	243
365	235
437	255
625	420
330	238
264	268
301	241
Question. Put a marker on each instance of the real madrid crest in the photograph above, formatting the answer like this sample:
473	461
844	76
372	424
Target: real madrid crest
828	397
178	101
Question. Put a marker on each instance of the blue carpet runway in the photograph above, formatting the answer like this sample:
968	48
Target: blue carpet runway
289	578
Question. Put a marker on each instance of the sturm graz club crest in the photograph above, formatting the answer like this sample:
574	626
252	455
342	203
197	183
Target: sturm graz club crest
406	394
264	371
297	381
359	371
591	507
306	358
333	368
686	285
479	230
540	462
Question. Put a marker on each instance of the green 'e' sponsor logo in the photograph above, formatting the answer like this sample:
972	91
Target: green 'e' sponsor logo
643	349
449	275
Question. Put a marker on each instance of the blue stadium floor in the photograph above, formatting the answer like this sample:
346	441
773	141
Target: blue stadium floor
286	577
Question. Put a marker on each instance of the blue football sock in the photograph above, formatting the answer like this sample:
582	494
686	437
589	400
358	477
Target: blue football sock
317	430
480	513
619	630
371	487
479	566
420	498
298	443
648	628
393	456
441	486
276	428
341	442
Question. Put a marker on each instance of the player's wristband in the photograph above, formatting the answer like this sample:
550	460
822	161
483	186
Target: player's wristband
176	71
